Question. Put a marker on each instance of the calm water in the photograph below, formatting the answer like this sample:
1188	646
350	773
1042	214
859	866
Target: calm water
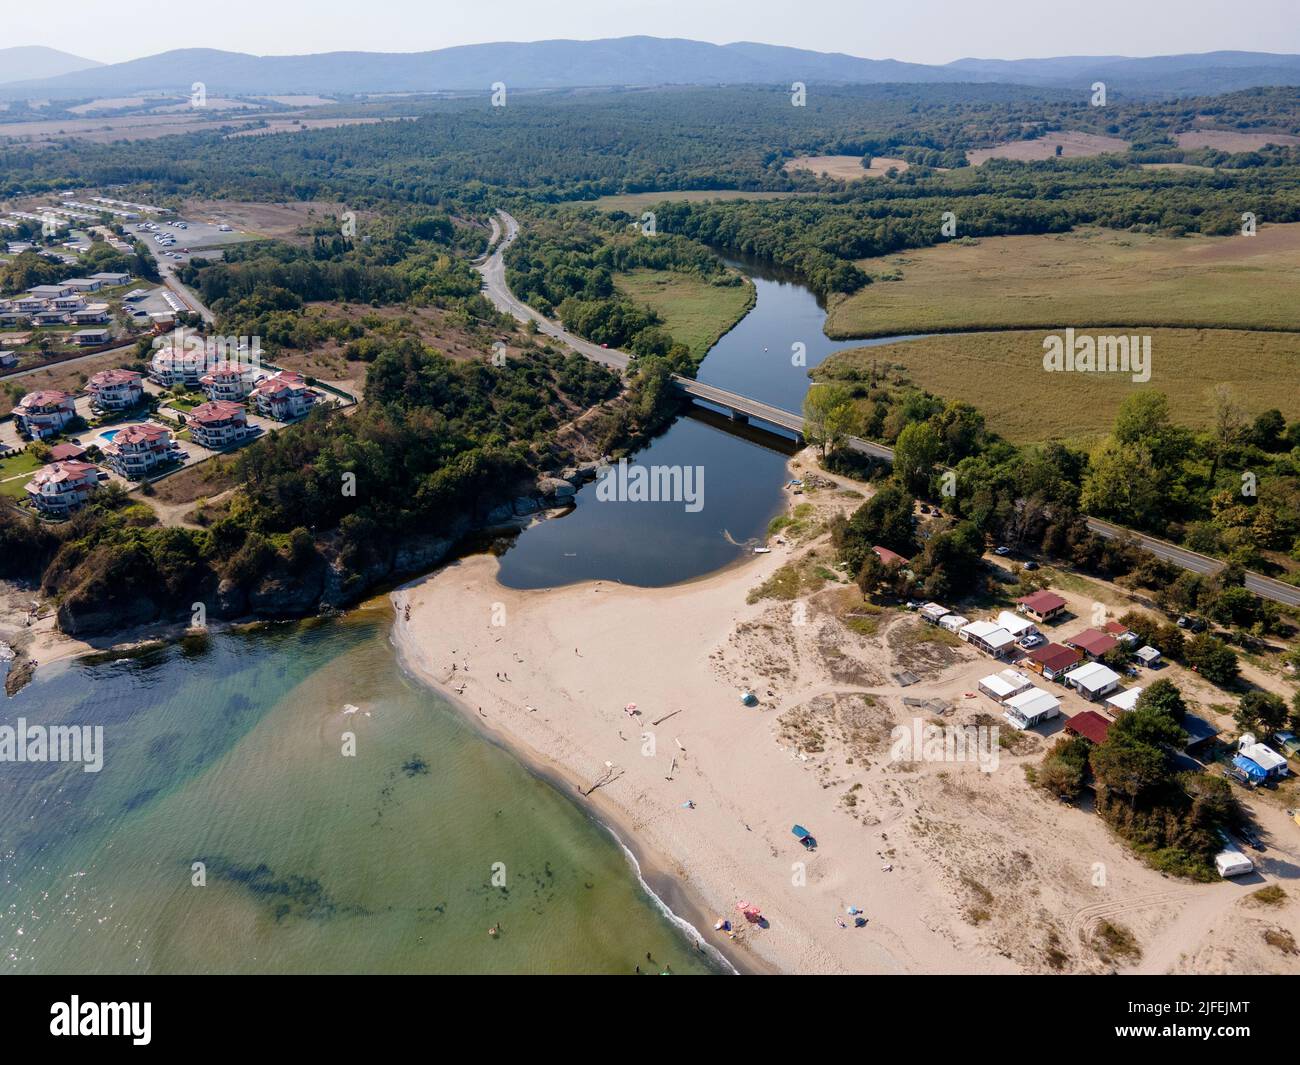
655	544
316	863
229	754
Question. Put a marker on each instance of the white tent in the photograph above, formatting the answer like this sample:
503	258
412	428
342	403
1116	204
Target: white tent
1016	624
1002	686
932	612
1148	655
953	622
1030	707
1123	701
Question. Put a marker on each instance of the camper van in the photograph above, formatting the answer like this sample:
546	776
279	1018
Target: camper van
1232	862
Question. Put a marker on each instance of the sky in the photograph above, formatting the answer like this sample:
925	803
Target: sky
923	31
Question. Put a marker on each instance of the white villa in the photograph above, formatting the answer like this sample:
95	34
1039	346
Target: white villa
115	389
170	367
61	487
44	413
283	396
137	450
228	380
218	424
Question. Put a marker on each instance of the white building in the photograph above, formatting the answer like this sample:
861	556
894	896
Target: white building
988	636
44	413
954	623
61	487
170	367
1093	680
137	450
932	612
1123	701
115	389
1016	624
1002	686
283	396
1031	707
228	380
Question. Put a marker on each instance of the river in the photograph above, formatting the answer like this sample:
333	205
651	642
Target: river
228	833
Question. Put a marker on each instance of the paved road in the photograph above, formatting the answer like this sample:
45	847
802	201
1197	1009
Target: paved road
493	271
1265	587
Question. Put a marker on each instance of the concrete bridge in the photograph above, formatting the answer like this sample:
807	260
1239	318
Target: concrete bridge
743	409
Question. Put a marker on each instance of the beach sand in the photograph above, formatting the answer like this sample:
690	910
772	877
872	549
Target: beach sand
956	870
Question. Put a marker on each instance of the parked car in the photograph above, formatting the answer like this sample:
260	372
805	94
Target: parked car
1251	837
1031	565
1031	641
1002	551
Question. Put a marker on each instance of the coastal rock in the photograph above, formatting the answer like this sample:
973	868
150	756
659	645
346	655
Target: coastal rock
555	488
80	615
526	505
421	552
286	593
500	515
231	600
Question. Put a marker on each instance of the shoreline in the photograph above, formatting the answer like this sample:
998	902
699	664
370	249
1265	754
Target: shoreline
651	869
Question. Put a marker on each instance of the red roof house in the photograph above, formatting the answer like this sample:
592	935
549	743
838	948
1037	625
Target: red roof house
1052	660
1041	605
1093	642
1089	724
888	557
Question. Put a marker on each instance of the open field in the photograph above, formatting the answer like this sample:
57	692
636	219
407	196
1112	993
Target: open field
694	312
300	125
1072	145
640	201
1231	140
1088	277
1002	375
70	376
845	167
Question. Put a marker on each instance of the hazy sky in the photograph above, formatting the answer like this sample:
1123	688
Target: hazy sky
927	31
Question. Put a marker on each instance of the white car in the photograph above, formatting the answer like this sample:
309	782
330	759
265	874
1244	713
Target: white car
1031	641
1002	551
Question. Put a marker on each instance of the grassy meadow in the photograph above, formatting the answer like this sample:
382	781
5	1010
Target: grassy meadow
1084	278
1001	374
694	312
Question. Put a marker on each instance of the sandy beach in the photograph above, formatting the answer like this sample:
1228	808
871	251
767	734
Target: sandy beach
956	870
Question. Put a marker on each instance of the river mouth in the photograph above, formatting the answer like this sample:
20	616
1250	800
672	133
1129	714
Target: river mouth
767	356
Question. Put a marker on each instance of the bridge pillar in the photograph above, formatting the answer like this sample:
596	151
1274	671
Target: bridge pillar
739	416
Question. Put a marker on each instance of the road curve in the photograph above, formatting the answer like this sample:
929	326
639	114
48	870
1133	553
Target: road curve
494	278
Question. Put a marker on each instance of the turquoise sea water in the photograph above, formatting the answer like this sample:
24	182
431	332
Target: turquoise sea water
397	859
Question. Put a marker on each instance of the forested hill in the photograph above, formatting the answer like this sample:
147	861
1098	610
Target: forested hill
640	61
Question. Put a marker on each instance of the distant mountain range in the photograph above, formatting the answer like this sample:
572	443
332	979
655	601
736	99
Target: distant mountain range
32	62
624	61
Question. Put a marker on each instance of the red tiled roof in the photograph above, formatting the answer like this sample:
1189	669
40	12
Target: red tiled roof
1089	724
56	472
112	377
1055	657
1094	641
1115	628
216	411
49	397
889	557
64	452
139	434
1042	601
